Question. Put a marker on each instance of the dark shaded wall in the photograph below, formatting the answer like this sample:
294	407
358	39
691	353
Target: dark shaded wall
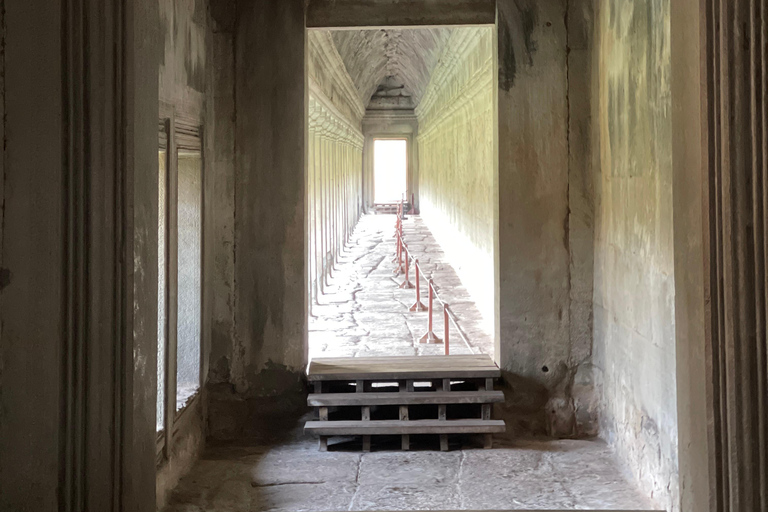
634	299
31	258
268	347
78	283
545	220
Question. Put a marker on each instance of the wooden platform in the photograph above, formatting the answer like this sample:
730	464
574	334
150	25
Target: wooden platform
403	367
408	387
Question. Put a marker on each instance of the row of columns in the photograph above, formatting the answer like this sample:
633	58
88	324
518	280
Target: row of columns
334	180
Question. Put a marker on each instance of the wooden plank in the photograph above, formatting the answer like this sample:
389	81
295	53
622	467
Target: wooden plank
444	361
384	427
405	386
420	358
442	415
416	375
403	367
396	13
375	370
405	398
454	362
317	367
424	360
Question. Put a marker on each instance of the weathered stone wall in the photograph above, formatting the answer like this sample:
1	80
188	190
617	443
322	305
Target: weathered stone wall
544	204
270	191
456	161
260	346
220	162
634	297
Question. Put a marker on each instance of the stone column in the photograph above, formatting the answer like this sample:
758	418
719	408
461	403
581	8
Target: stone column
271	187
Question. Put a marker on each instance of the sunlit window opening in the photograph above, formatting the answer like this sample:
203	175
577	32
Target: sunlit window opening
189	284
390	166
161	284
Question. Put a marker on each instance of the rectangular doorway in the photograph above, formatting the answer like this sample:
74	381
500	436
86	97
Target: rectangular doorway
390	170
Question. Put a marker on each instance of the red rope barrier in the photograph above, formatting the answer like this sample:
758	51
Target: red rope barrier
402	249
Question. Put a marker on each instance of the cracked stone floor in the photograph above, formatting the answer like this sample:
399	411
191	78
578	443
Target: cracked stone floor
361	312
289	474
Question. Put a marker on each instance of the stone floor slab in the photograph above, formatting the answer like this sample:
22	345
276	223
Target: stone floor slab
410	468
406	497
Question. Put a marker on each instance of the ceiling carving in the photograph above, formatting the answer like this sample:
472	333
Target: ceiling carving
391	66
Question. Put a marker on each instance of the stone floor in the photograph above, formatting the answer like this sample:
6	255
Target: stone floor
361	312
289	474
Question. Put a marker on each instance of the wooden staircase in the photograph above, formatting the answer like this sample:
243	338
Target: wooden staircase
402	396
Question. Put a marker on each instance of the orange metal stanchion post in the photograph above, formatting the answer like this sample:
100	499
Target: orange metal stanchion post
399	256
447	326
407	284
397	250
398	220
417	306
430	336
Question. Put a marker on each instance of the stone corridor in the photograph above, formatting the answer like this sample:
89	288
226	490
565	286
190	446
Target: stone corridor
363	313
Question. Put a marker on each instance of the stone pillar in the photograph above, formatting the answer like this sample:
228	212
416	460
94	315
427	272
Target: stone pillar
270	183
534	260
721	177
688	153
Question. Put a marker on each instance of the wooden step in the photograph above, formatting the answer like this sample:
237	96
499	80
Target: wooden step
394	427
405	398
403	367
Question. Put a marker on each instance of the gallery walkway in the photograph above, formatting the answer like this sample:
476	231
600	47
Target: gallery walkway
363	313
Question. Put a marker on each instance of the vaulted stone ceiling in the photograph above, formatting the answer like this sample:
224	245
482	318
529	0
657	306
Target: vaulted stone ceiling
393	65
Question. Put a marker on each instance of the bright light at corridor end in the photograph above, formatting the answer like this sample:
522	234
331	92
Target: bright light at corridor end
389	169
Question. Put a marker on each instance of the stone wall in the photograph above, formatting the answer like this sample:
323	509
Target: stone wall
544	327
634	297
456	161
220	162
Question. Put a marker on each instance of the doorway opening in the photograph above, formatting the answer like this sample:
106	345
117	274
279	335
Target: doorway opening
411	120
390	170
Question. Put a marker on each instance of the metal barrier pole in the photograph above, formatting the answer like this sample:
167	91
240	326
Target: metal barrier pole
417	306
399	256
430	337
397	249
407	284
397	221
447	326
